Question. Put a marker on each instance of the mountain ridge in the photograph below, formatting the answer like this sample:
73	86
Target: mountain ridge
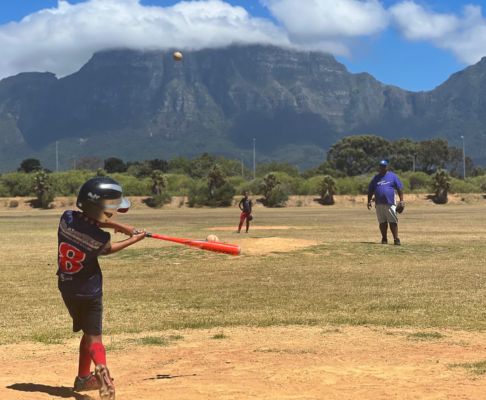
142	104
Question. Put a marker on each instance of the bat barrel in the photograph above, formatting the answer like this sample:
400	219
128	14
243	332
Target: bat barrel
217	247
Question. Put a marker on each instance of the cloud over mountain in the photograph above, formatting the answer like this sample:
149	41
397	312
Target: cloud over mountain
61	39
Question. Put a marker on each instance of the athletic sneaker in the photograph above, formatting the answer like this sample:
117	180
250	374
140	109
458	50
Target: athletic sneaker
107	389
384	241
87	383
397	242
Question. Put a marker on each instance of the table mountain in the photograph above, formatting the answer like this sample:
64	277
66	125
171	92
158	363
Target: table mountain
143	104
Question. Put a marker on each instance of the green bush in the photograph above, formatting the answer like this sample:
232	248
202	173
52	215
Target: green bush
68	183
354	185
178	184
4	191
276	198
275	193
159	200
418	182
17	184
199	195
133	186
463	186
311	185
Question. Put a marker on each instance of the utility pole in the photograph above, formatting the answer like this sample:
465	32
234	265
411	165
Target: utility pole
463	158
57	156
254	158
414	161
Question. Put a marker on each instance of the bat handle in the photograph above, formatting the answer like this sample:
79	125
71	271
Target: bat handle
148	234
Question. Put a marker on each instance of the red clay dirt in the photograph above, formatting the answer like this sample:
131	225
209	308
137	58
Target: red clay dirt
261	363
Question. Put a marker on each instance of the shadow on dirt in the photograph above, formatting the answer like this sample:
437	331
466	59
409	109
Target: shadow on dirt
54	391
167	376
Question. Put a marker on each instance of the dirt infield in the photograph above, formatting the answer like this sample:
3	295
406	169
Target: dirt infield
261	246
261	363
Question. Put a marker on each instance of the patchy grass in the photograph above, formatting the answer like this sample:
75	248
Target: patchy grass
434	280
153	341
424	336
219	335
476	368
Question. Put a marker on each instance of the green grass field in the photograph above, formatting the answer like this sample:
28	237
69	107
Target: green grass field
435	280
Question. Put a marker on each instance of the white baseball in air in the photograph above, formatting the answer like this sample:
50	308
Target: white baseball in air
177	56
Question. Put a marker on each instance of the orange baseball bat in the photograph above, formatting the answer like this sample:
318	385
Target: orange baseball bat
217	247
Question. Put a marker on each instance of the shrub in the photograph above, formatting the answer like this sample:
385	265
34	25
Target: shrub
13	204
441	185
158	201
43	189
463	186
17	184
354	185
200	195
327	190
68	183
274	193
133	186
419	181
178	184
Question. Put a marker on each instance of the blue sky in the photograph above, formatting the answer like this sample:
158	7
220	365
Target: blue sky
416	45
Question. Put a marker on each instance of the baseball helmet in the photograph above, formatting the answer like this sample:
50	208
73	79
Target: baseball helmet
100	198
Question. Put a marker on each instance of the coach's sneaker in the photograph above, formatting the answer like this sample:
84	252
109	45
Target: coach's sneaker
87	383
107	389
397	242
384	241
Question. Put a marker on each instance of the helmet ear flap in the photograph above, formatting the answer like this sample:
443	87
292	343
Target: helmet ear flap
93	211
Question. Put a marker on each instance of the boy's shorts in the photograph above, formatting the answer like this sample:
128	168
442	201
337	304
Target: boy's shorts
243	216
87	314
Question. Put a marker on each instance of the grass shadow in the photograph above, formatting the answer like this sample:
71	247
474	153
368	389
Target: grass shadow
168	376
53	391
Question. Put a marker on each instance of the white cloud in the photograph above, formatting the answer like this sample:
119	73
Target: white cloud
463	35
63	38
327	24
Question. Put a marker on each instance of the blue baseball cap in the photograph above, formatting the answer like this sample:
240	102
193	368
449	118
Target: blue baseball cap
384	163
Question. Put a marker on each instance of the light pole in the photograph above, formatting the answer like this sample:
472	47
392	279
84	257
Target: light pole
463	158
242	172
254	158
57	156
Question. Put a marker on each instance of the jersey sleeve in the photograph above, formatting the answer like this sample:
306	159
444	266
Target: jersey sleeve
106	239
398	183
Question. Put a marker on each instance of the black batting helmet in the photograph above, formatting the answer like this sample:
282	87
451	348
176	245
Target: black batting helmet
102	197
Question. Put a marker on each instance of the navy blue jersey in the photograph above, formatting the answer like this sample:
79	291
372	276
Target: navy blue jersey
245	205
80	241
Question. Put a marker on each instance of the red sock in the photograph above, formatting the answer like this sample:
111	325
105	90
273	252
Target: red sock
98	353
84	359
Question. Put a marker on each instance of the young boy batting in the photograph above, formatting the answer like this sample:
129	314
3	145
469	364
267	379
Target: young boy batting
80	241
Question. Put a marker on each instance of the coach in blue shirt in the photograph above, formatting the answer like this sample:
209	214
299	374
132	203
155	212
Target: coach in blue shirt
382	187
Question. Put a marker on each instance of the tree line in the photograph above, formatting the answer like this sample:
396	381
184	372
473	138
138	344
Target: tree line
214	180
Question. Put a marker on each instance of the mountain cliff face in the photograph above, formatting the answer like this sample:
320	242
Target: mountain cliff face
140	105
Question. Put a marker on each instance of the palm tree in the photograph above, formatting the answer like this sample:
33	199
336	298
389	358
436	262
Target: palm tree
216	179
159	182
441	185
327	190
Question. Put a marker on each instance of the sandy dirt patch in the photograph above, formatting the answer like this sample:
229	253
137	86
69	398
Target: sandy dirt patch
261	363
261	246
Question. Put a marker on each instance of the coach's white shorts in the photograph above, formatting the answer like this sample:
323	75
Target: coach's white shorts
386	213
